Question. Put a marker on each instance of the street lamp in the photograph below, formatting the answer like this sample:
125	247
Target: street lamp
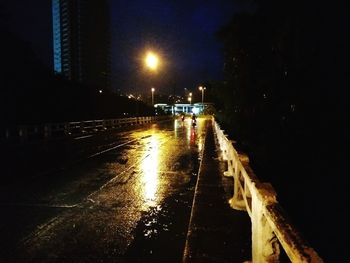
152	95
202	89
151	61
190	100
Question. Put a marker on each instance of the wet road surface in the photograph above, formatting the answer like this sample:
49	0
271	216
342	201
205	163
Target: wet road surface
126	201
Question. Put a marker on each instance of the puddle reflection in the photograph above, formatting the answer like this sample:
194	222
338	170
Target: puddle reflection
155	156
149	168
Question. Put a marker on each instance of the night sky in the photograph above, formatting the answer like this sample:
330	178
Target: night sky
181	32
31	22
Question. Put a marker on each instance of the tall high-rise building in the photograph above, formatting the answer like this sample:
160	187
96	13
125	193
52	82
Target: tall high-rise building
81	41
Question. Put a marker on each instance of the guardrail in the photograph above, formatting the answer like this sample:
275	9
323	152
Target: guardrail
54	130
270	225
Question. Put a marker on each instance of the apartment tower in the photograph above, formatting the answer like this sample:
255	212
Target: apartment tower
81	41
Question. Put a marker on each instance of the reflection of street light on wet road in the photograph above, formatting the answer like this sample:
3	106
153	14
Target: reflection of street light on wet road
152	95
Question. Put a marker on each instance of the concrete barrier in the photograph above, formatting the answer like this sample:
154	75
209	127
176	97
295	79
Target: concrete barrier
271	228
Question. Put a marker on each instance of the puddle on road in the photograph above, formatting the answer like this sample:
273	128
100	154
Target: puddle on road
153	224
161	233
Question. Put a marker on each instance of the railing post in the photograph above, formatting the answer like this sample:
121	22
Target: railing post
237	201
66	129
81	127
47	131
265	245
7	134
23	133
221	144
230	160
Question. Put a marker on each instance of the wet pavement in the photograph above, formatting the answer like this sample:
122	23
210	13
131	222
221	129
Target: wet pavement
217	233
154	194
125	197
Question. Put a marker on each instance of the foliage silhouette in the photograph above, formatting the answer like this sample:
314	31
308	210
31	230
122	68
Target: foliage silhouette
283	101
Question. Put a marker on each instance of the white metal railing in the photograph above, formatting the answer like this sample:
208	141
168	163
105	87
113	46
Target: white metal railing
25	132
270	226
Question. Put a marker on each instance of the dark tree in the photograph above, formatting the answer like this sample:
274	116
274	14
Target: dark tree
284	101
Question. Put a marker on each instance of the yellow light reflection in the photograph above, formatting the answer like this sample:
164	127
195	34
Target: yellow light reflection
200	143
176	126
150	172
189	131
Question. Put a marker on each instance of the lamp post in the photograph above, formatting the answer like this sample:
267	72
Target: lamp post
152	62
152	90
201	88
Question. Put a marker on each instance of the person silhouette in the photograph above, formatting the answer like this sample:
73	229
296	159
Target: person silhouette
194	121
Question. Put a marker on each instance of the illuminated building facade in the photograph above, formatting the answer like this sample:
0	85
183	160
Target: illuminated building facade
81	41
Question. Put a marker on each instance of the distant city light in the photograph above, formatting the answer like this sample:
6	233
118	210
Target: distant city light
195	110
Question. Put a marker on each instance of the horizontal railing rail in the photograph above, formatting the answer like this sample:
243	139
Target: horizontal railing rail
271	228
54	130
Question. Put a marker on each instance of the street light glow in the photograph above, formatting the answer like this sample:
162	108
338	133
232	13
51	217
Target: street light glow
202	90
151	61
152	90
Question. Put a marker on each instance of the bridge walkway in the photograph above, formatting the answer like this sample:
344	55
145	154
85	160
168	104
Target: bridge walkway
217	233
